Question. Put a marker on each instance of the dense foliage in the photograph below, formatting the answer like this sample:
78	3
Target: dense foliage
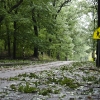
61	29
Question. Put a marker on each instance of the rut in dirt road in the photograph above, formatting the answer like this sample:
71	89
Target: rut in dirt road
32	68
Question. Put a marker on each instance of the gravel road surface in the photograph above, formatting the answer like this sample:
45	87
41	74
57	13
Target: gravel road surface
31	68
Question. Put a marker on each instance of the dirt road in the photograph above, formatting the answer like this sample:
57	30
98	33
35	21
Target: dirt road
31	68
88	80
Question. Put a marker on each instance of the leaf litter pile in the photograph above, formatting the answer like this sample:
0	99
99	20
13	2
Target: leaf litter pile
77	81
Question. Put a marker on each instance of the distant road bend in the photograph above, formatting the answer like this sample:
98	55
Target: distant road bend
32	68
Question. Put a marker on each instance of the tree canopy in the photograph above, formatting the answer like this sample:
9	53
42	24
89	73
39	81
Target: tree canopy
61	29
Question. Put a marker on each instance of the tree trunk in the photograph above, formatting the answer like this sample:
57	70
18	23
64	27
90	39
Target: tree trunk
49	51
1	18
57	56
36	46
36	54
8	41
14	41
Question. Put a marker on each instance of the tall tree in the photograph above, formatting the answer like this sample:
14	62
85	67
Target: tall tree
36	33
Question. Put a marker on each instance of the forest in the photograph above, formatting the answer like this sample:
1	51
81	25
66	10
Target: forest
41	29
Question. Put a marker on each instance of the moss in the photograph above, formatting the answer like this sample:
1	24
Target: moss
24	75
24	88
69	82
89	78
13	87
64	68
45	91
13	78
31	75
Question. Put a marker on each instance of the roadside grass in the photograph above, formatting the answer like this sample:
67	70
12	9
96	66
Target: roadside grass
19	63
24	61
